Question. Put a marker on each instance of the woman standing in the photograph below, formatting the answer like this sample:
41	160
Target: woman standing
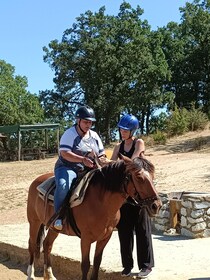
133	218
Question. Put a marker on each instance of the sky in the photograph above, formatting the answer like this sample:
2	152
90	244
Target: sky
26	26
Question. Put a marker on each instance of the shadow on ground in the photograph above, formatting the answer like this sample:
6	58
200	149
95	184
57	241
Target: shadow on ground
64	268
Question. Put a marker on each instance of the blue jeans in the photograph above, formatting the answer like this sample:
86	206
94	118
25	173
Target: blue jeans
63	180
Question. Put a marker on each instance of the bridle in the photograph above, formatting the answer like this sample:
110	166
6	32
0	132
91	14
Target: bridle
139	201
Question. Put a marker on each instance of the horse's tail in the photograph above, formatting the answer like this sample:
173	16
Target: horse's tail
39	241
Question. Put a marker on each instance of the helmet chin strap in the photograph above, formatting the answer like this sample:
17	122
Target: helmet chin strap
80	127
131	135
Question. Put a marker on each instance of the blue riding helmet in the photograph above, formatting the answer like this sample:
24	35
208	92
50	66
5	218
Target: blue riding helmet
129	122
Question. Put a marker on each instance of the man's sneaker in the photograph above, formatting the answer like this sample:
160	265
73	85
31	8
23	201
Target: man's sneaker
126	272
144	273
58	224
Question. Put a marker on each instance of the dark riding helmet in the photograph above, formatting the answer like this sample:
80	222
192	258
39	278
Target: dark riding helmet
129	122
85	113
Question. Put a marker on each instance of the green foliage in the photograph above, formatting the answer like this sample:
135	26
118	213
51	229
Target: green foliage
186	47
197	119
116	64
112	63
182	120
159	137
177	122
17	105
158	123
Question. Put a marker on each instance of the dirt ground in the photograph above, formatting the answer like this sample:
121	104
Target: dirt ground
183	164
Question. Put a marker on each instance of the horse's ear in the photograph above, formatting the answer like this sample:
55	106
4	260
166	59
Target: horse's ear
126	159
141	155
120	156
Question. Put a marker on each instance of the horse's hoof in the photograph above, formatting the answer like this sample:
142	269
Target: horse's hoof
30	272
31	278
48	275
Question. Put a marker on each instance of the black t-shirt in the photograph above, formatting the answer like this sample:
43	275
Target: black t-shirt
129	153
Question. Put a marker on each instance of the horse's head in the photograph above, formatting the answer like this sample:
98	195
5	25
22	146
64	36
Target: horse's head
140	175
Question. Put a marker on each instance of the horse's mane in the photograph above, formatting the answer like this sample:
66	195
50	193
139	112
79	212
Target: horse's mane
143	163
112	176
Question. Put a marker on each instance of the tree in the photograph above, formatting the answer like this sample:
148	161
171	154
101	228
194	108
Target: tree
196	27
186	46
148	91
17	105
105	61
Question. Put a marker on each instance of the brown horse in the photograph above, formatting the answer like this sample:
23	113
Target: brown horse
98	214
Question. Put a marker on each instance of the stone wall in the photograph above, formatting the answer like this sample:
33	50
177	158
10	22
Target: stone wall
187	214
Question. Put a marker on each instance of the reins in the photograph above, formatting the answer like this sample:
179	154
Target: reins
128	177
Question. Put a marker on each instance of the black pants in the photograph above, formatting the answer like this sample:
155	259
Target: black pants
135	220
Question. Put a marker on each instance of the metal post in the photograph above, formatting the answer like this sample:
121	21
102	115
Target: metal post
58	139
19	144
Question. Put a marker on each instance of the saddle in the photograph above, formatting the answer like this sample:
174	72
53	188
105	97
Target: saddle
77	192
74	198
47	188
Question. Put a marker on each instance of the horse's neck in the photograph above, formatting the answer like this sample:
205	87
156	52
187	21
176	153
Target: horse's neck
114	201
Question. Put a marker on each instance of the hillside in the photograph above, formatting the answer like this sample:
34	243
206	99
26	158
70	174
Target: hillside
183	164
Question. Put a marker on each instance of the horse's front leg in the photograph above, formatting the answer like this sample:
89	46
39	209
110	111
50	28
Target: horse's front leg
48	274
30	272
35	230
100	245
85	262
47	248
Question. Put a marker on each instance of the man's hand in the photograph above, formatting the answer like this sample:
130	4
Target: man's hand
88	162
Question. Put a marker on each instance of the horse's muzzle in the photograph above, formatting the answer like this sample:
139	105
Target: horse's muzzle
154	208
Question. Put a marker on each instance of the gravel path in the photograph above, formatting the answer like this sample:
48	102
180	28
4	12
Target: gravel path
176	257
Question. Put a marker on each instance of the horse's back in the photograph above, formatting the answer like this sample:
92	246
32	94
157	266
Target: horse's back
34	201
33	187
41	179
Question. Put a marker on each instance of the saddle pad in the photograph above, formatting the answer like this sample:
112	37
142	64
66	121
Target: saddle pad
45	186
78	192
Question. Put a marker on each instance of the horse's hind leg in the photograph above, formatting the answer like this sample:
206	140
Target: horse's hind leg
47	247
100	245
36	230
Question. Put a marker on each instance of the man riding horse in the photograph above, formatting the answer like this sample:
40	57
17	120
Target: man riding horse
78	145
